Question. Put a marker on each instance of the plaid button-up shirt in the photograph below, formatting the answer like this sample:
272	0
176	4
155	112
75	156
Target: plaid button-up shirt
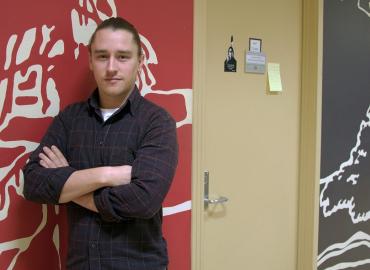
127	231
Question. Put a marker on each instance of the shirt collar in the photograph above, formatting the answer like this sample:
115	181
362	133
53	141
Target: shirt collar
130	105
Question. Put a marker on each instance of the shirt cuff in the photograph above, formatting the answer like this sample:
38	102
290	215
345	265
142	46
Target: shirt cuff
60	177
105	208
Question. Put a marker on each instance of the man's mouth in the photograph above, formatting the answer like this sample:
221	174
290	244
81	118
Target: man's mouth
112	79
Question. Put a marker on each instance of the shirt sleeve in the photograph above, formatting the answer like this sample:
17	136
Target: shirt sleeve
152	172
44	185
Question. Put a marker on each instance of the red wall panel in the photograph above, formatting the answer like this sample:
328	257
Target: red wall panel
43	68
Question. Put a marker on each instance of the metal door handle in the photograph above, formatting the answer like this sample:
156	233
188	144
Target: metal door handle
207	200
221	199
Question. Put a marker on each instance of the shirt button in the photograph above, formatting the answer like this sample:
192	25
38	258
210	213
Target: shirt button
93	245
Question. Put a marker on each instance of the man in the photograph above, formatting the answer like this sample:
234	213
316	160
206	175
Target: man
111	159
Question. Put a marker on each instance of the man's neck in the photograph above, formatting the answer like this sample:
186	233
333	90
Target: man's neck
108	102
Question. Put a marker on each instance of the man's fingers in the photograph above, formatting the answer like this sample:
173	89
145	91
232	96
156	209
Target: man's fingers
45	161
62	160
44	164
52	158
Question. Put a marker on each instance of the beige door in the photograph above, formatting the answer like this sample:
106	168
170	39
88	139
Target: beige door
246	137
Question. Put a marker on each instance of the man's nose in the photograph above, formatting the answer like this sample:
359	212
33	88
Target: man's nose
112	64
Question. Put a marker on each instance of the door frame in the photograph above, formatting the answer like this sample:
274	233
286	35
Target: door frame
199	84
310	139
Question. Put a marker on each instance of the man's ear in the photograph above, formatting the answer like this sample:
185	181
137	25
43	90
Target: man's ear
141	62
90	61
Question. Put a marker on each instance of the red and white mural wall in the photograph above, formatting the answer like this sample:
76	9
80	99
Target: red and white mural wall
43	68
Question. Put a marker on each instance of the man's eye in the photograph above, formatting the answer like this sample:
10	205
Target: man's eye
122	57
102	57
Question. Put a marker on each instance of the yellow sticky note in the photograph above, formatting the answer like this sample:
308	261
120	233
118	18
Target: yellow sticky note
273	72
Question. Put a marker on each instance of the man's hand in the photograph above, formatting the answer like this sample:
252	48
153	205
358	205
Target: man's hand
52	158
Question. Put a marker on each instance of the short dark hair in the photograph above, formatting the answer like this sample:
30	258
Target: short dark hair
116	23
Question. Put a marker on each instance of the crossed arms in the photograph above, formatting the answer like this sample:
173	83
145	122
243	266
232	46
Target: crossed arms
80	185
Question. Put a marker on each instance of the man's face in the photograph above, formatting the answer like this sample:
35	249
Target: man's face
115	62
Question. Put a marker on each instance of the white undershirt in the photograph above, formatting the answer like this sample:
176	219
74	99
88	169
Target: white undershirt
106	113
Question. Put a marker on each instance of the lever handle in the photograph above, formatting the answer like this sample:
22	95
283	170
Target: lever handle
221	199
207	200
